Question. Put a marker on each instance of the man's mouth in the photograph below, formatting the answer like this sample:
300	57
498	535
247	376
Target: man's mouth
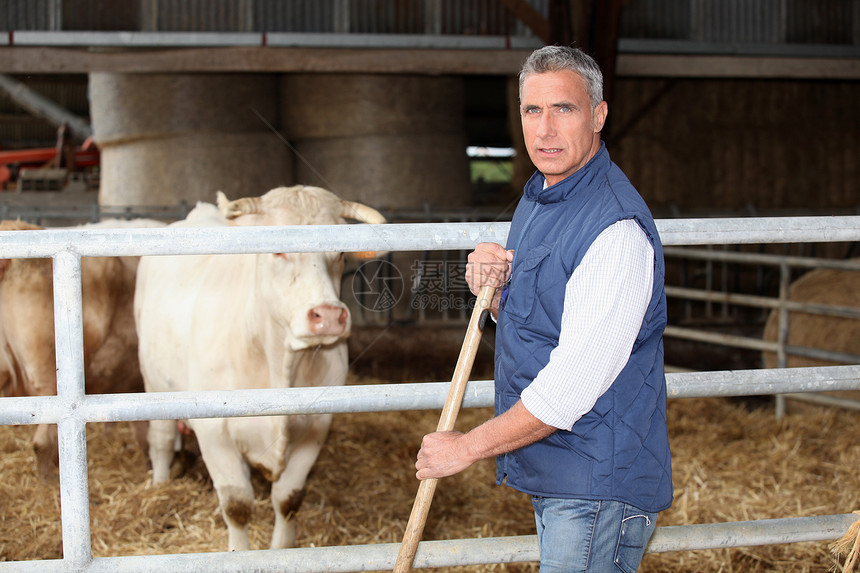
550	150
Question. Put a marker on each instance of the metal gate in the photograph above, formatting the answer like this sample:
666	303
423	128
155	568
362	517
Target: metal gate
71	409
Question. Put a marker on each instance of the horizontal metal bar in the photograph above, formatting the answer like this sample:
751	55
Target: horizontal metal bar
387	397
232	240
762	259
271	39
825	400
763	302
750	533
406	41
391	237
762	382
720	338
136	39
447	553
737	341
822	354
745	230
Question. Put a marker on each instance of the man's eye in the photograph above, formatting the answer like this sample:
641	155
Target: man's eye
533	110
565	109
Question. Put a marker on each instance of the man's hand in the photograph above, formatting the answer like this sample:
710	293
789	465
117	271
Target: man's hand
489	265
442	454
445	453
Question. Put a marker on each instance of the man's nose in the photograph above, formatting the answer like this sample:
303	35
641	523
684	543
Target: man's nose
546	126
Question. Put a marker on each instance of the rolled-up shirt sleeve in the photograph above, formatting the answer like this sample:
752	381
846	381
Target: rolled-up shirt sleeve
605	302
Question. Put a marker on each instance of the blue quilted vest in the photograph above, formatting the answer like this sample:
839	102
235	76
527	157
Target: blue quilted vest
620	449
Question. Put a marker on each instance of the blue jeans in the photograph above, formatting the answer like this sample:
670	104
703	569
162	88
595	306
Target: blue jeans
587	536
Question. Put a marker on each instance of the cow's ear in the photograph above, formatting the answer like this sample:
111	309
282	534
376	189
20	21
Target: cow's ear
364	256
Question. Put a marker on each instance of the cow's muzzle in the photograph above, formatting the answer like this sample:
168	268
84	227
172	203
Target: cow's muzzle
328	320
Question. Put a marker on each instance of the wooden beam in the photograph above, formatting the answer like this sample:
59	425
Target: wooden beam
526	13
664	66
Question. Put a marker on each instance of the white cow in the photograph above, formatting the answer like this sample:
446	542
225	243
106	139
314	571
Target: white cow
222	322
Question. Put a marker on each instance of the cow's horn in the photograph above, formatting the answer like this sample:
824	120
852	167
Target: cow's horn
361	212
243	206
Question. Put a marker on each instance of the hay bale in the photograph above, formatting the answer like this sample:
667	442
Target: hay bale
389	171
823	286
357	105
192	167
165	138
390	141
127	107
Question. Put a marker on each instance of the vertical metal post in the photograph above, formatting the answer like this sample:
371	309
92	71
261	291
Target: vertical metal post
55	15
782	332
341	15
709	284
68	328
149	15
433	17
246	16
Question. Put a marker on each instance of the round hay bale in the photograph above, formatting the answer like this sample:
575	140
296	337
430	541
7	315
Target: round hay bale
192	167
357	105
141	106
392	141
165	138
824	286
389	171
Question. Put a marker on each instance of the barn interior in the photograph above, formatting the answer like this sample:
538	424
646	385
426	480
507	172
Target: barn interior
716	109
732	108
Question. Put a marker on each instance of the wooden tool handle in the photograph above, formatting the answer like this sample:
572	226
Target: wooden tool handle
427	487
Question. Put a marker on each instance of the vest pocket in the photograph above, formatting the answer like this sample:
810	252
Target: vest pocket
523	286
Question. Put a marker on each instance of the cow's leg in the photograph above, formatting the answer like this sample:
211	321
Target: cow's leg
40	371
161	435
231	477
288	491
46	450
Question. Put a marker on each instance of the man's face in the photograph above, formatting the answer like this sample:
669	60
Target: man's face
561	131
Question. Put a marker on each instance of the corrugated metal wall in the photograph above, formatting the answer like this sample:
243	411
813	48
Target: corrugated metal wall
720	21
743	21
28	15
467	17
312	16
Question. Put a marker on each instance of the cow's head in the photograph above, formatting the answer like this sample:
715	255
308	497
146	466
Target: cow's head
303	289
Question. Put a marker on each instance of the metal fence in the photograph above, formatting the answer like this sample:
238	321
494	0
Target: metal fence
715	292
71	409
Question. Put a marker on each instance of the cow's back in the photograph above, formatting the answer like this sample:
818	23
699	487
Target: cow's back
186	310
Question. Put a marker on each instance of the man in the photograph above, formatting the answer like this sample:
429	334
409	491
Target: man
580	388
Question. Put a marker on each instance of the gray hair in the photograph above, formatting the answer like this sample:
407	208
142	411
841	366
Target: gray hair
559	58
